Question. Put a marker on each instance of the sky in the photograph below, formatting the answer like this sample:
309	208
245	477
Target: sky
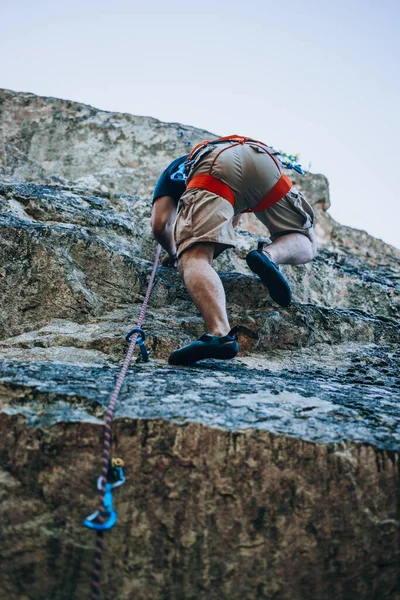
317	78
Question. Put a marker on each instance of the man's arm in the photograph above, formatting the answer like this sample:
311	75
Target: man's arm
162	224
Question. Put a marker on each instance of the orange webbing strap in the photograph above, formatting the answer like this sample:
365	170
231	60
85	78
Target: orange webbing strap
215	186
233	138
239	139
196	148
211	184
280	189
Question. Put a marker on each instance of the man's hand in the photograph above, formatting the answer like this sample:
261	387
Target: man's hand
169	261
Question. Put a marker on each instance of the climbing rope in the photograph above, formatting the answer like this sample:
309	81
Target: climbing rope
112	473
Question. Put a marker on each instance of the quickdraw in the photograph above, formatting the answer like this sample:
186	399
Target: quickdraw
115	478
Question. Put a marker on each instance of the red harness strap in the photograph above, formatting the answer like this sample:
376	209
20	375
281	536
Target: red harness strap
215	186
280	189
211	184
239	139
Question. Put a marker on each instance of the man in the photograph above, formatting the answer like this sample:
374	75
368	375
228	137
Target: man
225	178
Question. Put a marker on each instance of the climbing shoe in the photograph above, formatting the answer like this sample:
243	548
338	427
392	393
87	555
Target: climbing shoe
207	346
270	275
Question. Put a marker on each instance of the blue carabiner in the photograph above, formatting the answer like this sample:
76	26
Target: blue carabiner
180	174
108	509
298	168
144	353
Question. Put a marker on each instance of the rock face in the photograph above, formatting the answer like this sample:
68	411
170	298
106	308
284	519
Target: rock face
51	140
273	476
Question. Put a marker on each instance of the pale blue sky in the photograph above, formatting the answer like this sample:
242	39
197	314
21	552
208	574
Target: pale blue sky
319	78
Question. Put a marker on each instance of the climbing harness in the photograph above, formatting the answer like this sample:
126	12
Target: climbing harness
112	474
289	161
214	185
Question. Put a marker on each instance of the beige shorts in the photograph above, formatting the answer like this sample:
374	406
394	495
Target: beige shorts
205	217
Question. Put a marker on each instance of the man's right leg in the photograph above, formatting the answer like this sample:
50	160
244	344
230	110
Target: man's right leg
293	248
205	286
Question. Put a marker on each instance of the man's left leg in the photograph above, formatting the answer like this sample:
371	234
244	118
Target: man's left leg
204	286
208	294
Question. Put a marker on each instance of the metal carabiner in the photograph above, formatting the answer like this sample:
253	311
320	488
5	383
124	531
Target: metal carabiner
180	174
90	521
115	477
298	168
119	473
144	353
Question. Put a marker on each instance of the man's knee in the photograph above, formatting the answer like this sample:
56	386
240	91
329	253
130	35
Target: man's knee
184	260
202	251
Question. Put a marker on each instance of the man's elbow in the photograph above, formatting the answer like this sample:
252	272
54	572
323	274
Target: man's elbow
158	226
163	216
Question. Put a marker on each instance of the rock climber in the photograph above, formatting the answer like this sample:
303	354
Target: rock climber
197	202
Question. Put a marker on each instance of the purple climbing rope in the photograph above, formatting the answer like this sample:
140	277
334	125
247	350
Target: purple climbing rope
97	568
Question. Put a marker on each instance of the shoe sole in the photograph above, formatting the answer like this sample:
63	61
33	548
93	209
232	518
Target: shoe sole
274	281
200	351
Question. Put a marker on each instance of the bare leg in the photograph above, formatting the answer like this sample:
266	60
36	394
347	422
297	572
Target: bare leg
292	249
205	286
